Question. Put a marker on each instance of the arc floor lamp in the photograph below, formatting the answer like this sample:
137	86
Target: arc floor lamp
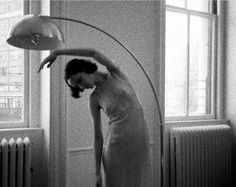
39	32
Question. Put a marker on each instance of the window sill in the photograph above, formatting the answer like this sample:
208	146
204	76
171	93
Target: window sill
197	122
20	130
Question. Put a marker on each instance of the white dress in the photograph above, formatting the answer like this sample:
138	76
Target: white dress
126	158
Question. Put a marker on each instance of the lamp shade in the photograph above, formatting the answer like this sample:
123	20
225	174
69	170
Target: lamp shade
36	32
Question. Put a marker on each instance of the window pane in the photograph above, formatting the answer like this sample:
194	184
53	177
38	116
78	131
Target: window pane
198	5
11	65
176	64
178	3
199	74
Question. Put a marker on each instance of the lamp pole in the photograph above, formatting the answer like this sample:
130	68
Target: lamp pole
28	34
146	75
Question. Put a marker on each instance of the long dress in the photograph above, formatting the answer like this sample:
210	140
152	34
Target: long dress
126	158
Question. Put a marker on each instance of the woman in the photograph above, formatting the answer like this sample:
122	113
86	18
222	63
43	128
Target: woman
125	157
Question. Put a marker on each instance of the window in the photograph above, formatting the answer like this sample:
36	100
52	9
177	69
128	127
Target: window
190	59
18	80
11	66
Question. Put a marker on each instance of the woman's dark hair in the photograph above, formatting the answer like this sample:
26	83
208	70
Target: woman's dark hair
76	66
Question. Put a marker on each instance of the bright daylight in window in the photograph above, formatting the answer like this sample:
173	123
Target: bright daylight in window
11	65
190	38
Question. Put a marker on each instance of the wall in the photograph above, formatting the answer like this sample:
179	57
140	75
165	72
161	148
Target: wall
137	25
230	82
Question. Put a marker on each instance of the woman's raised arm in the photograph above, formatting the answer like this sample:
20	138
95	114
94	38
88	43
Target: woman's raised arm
99	57
103	60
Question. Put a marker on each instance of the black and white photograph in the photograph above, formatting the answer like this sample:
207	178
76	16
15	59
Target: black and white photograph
125	93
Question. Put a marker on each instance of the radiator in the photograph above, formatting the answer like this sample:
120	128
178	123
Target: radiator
15	157
200	156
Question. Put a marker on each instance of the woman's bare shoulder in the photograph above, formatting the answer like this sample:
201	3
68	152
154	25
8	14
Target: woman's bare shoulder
119	74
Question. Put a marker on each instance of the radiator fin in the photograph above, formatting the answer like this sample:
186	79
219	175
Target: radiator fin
12	162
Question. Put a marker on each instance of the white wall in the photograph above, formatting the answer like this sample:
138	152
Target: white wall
137	25
230	82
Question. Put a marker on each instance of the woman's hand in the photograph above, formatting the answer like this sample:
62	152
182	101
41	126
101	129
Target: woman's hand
98	181
48	60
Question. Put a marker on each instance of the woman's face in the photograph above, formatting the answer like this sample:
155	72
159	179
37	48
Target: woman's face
82	80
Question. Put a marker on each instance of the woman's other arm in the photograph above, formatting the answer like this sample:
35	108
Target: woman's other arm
98	138
87	52
50	59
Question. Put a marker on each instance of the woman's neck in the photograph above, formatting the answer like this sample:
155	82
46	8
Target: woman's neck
100	78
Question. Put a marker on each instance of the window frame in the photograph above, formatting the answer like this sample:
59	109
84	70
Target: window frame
31	98
212	61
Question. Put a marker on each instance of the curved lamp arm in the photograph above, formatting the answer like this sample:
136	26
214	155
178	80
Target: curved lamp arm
136	60
149	81
40	32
